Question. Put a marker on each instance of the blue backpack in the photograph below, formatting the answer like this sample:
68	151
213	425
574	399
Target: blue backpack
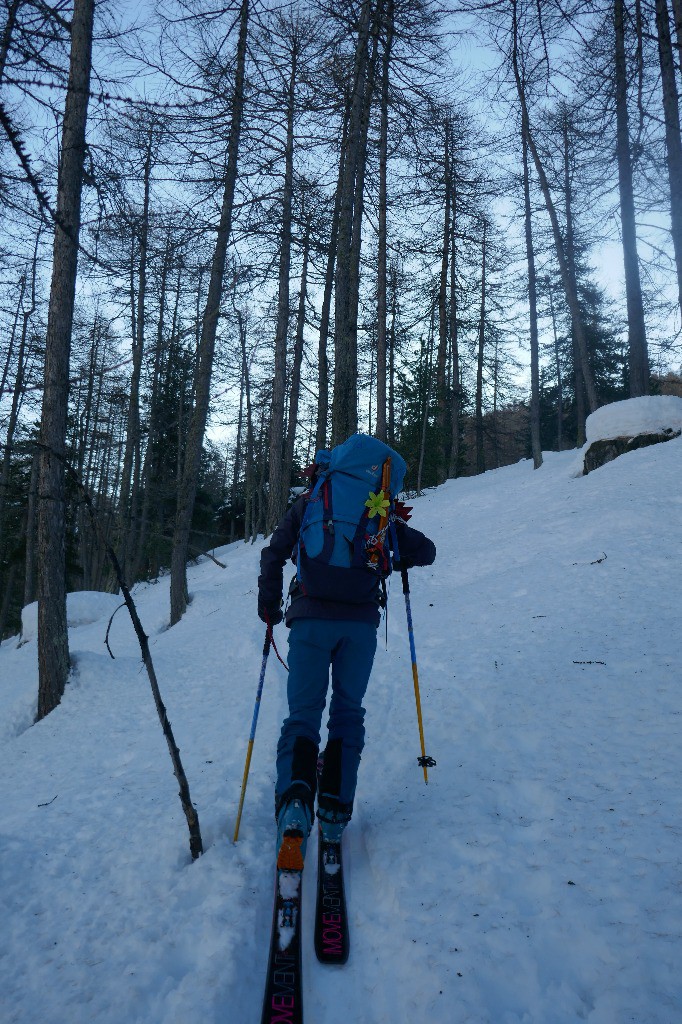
347	532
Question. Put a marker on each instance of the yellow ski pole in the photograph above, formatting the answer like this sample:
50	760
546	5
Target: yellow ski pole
254	723
423	761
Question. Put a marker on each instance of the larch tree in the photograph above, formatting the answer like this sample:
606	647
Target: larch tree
673	139
637	343
53	643
191	463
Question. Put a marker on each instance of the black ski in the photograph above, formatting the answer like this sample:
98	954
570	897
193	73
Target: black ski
283	1001
332	940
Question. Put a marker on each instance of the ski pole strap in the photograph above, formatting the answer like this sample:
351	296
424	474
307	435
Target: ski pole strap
261	680
408	611
271	637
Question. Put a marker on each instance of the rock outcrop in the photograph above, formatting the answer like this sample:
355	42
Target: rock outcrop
608	449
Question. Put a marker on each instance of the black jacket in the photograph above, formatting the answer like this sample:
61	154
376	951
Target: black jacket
415	549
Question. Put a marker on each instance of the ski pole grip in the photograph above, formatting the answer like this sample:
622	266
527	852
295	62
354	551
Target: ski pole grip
405	579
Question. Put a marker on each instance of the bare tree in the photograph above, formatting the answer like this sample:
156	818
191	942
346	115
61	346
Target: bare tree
344	405
673	140
204	365
480	452
536	447
53	643
567	278
277	473
295	388
637	344
382	239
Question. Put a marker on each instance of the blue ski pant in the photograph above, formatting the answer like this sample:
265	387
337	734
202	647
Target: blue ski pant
315	645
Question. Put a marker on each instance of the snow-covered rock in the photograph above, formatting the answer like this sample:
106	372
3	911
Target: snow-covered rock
625	426
651	414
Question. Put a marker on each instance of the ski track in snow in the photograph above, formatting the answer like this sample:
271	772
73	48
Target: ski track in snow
535	880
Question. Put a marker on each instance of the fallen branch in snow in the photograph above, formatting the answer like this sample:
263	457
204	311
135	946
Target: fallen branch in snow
589	662
106	638
49	802
209	555
597	561
195	842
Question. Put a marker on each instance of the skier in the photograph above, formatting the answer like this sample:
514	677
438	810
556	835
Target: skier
338	631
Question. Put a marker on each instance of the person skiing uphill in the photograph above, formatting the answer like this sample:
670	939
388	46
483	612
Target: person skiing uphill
343	535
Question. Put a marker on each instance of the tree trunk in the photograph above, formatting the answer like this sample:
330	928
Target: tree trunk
391	356
295	390
441	362
495	423
10	346
673	143
382	240
195	437
480	453
536	447
7	598
560	385
149	465
581	373
30	569
456	402
85	444
53	643
276	471
131	472
261	505
19	380
12	11
344	404
427	395
322	359
236	467
568	284
249	513
358	211
637	346
17	397
677	18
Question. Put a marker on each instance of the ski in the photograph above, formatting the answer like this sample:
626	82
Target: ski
332	940
283	1000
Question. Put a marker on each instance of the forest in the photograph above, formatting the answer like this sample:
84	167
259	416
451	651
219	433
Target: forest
233	234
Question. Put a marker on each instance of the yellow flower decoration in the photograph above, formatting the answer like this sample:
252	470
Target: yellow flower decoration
377	504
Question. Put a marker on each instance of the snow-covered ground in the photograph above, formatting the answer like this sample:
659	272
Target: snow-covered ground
536	880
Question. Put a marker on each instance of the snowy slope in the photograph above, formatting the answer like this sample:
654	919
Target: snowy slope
536	880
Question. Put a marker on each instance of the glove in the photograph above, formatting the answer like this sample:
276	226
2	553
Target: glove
270	613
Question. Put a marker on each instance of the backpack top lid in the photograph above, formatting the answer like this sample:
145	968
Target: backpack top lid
363	457
322	458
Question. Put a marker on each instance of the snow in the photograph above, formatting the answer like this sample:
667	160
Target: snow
535	880
82	608
289	886
647	415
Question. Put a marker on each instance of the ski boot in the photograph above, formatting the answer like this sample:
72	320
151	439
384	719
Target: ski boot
333	817
294	822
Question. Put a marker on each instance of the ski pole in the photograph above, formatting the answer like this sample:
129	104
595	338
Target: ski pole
254	723
424	761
